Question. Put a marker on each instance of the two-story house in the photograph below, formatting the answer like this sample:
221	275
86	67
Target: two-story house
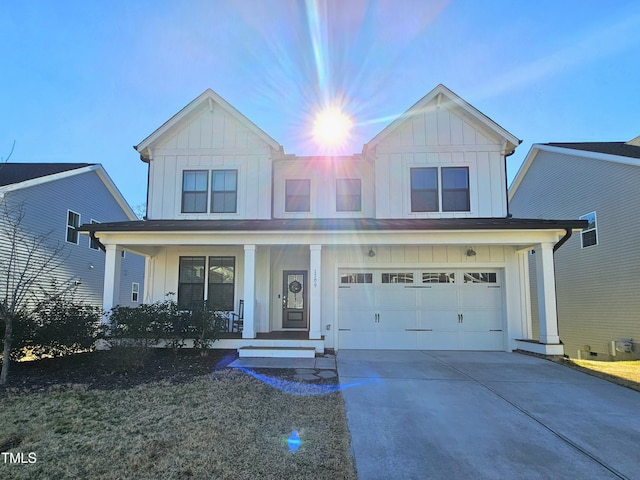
598	304
407	245
48	202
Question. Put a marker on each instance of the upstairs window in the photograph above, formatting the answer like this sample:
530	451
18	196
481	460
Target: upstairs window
348	195
224	191
424	189
297	196
589	235
194	191
455	189
73	222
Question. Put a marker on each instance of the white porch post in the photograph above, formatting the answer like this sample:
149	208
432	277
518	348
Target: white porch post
111	291
315	287
249	329
546	294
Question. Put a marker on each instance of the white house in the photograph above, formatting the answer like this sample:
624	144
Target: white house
598	302
406	245
55	199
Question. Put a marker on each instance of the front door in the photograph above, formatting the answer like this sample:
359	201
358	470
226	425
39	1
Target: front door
294	299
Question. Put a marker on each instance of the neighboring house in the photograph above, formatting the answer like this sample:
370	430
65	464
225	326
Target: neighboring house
598	304
56	199
407	245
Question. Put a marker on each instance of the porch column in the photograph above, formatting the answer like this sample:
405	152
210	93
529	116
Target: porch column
315	287
248	329
111	291
546	282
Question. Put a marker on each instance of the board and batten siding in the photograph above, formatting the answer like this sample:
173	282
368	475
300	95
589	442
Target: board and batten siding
598	300
46	206
208	140
440	137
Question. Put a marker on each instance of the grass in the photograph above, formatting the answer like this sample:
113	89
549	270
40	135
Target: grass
625	373
219	426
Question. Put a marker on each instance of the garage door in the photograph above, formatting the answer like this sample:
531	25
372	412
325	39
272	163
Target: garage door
446	309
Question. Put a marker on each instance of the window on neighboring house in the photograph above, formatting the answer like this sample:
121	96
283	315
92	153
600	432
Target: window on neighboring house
191	281
194	191
73	222
297	196
424	189
221	283
93	243
348	195
224	189
589	235
135	291
455	189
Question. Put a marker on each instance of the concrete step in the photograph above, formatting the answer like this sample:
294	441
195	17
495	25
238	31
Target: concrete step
277	352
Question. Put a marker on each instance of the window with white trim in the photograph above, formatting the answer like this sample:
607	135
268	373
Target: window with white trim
297	196
356	278
194	191
73	222
440	189
348	195
224	191
135	292
589	235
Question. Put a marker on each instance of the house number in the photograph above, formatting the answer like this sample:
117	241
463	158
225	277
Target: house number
315	278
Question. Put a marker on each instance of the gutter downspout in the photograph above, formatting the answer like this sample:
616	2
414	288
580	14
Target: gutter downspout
506	179
563	240
98	242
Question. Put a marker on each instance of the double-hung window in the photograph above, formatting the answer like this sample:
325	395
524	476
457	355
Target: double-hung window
221	283
455	189
348	195
589	235
297	196
440	189
224	189
424	189
191	281
93	243
73	222
194	191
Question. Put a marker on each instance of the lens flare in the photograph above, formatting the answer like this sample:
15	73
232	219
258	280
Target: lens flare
331	128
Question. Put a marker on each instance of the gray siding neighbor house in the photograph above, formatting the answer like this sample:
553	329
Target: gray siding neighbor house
56	198
598	303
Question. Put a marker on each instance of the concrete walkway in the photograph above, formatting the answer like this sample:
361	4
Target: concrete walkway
462	415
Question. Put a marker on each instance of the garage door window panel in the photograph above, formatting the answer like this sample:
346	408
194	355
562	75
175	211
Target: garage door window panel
397	278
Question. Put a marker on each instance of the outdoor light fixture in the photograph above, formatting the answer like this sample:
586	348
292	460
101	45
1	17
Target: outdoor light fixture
471	252
372	252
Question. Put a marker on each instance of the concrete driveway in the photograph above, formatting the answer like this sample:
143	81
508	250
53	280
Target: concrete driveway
463	415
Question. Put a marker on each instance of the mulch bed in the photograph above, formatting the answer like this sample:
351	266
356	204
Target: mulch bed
108	370
127	368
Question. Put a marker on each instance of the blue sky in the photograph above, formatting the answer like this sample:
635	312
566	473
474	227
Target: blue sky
83	81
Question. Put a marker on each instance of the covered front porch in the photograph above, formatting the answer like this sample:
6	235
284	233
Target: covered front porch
270	294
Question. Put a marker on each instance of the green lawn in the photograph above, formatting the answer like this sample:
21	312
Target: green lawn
225	425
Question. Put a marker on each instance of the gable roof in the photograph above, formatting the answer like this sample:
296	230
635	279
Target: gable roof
512	141
622	149
11	173
15	176
619	152
211	98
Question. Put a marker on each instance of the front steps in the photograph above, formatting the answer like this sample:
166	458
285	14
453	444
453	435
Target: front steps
276	352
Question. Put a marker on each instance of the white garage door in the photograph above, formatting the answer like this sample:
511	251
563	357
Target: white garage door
446	309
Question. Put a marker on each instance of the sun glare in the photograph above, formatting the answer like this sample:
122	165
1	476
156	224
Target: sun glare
331	128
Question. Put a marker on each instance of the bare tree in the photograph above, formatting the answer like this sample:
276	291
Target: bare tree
26	261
